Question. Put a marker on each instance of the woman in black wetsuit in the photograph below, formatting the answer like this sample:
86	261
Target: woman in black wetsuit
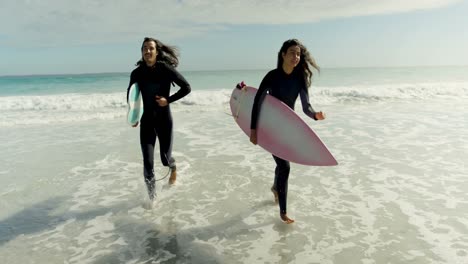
155	74
290	79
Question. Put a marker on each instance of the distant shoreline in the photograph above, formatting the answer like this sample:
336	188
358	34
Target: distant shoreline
228	70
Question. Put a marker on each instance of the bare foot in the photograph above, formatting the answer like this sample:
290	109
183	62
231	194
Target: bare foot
173	177
286	219
275	193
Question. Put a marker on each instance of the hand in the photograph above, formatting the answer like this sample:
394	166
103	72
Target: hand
320	115
253	136
161	100
136	124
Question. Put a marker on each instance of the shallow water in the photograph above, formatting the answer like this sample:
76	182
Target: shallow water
73	191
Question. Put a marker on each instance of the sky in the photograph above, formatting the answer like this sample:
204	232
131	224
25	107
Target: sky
93	36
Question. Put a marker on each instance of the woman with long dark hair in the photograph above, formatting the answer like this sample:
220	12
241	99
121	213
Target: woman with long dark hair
155	74
291	78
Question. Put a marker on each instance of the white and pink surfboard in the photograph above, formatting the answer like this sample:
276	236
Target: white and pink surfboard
280	130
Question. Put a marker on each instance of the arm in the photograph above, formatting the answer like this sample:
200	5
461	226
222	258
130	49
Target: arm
132	81
181	82
265	86
307	107
258	100
259	97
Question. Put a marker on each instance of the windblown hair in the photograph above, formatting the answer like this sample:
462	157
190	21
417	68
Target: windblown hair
305	61
166	53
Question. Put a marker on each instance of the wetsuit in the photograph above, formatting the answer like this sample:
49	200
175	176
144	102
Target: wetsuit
286	88
157	120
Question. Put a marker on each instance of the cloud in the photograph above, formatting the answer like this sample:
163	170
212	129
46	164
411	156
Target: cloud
54	22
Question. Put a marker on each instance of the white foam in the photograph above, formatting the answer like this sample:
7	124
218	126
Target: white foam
64	108
402	91
399	192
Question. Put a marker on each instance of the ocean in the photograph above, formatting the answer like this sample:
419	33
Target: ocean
72	190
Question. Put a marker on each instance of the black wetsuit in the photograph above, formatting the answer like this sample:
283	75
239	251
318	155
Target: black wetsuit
285	87
156	120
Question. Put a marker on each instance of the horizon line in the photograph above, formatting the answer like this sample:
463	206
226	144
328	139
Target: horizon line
221	70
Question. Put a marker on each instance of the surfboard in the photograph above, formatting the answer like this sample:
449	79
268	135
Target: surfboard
280	130
135	105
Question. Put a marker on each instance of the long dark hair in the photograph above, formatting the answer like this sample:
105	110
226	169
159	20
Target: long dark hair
305	61
166	53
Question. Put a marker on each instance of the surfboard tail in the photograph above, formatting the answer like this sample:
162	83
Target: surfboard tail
241	85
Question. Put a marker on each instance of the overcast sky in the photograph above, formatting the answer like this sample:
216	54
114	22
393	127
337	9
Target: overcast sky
61	36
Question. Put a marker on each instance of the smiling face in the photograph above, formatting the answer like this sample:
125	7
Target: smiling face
291	57
149	52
